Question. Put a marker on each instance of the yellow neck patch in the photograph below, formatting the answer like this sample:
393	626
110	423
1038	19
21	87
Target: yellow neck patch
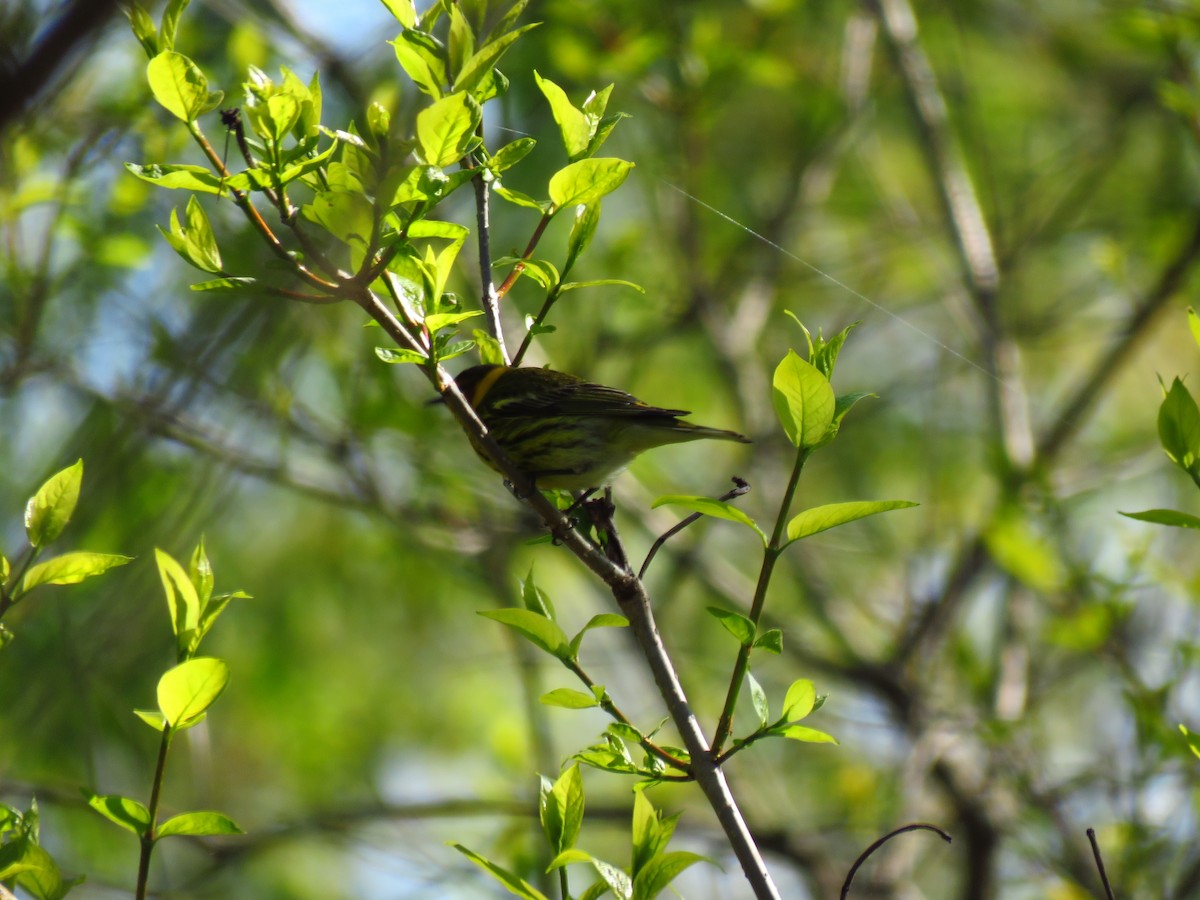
485	384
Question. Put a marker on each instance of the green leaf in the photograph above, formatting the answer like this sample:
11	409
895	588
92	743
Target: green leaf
1194	324
423	58
1179	428
758	697
400	355
460	44
403	10
822	518
599	282
735	623
518	199
536	628
568	699
226	284
587	181
72	568
195	241
611	876
182	601
187	178
152	717
575	126
587	217
770	640
804	401
603	128
560	809
510	154
807	735
198	823
659	872
717	509
178	84
567	857
144	30
49	510
799	701
476	69
602	620
129	814
1166	517
438	321
33	869
514	883
649	833
189	689
346	215
446	129
170	23
534	598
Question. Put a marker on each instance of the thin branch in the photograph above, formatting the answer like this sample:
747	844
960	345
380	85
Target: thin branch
742	487
490	299
1091	834
915	826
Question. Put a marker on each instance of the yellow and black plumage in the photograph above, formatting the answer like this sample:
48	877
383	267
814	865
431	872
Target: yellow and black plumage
567	433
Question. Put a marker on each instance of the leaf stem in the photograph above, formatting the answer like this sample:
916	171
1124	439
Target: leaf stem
770	555
148	836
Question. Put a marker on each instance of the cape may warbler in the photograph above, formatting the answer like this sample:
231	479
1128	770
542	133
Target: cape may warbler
569	434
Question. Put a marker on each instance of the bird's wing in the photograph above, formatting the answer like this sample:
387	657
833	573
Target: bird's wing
579	398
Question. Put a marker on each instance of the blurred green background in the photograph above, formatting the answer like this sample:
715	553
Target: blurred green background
1009	661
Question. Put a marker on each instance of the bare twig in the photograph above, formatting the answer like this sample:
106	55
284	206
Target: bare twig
741	487
915	826
1091	834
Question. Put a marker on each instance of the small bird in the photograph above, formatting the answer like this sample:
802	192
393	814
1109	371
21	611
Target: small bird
569	434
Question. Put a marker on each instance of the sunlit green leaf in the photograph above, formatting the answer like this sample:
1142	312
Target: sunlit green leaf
50	508
575	126
659	872
198	824
537	628
735	623
400	355
183	603
71	568
587	181
129	814
178	84
601	620
560	809
515	884
717	509
568	699
187	178
475	70
799	701
186	691
831	515
511	154
807	735
446	129
423	58
804	401
403	10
